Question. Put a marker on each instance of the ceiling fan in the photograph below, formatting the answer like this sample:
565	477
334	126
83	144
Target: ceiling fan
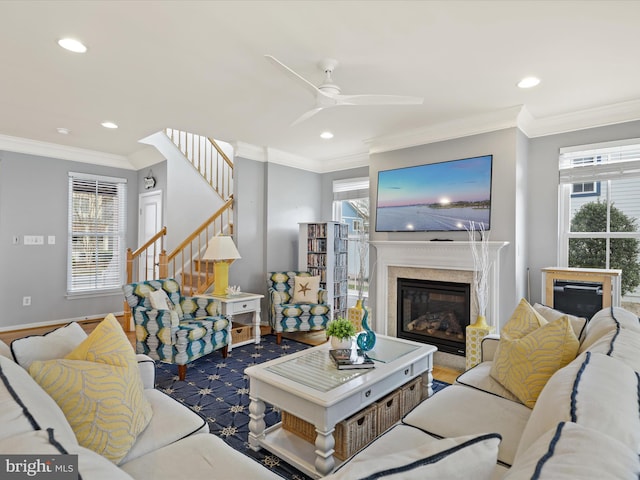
328	94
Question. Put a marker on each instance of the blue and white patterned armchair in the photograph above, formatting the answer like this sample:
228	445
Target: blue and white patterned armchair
190	329
294	317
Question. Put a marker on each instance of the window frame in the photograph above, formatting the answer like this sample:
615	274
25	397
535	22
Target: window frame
610	161
98	282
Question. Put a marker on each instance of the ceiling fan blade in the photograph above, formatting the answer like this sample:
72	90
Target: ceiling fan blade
377	100
307	115
301	80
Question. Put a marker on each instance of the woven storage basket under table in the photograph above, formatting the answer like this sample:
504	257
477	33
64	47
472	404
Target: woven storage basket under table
299	427
411	395
350	435
388	411
355	432
241	332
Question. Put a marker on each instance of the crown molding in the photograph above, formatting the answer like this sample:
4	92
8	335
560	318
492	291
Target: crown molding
477	124
249	151
581	120
280	157
346	162
62	152
517	116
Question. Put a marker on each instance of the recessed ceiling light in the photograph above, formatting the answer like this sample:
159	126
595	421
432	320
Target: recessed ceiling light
528	82
109	125
326	135
63	131
72	45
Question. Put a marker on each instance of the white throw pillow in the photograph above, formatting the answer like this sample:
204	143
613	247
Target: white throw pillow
571	451
55	344
38	442
577	323
160	300
472	456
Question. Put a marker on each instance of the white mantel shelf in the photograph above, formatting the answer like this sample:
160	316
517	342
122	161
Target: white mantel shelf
446	255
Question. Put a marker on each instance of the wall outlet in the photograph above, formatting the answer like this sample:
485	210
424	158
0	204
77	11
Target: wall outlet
26	301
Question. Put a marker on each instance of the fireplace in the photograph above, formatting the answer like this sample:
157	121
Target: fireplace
433	312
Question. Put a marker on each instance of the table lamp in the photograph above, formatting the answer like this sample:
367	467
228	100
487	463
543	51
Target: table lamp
223	252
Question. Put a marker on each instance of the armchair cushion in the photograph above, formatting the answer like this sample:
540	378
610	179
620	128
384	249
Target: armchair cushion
306	289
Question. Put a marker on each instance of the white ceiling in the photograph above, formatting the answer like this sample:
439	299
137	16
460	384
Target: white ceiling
199	66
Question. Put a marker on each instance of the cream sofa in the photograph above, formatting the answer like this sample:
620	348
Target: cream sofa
175	444
585	423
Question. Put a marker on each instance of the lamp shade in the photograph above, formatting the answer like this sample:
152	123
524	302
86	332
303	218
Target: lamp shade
221	248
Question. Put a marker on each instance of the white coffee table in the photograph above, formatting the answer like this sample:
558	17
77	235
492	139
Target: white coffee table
307	385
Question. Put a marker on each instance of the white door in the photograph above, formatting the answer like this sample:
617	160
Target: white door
149	223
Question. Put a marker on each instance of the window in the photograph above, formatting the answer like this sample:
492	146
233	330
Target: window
599	209
351	206
96	240
585	189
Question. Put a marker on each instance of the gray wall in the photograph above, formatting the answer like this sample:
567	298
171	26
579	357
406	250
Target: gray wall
508	172
271	200
292	196
542	179
33	201
249	226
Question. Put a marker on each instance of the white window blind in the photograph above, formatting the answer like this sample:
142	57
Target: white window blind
351	189
97	222
606	161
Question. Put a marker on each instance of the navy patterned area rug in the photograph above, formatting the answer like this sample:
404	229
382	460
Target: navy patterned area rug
218	390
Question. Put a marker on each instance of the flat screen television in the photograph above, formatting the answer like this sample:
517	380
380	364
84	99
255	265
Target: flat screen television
437	197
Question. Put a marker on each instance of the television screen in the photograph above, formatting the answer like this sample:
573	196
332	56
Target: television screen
437	197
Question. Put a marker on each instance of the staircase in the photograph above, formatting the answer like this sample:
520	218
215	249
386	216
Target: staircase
185	262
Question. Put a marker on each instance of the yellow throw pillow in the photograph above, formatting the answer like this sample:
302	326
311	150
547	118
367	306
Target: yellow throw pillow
99	389
524	364
523	320
305	289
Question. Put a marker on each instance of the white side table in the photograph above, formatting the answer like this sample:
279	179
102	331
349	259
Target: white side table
242	303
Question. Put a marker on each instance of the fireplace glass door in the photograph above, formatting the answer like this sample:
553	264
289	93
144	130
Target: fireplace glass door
434	312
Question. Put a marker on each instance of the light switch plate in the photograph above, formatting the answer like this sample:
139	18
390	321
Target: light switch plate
34	240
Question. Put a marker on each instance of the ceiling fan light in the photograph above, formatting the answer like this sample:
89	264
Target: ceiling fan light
72	45
109	125
528	82
326	135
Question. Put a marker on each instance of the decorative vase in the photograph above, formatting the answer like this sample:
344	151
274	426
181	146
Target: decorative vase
475	333
367	339
341	342
355	314
481	322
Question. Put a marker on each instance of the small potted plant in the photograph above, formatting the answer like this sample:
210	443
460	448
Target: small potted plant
341	331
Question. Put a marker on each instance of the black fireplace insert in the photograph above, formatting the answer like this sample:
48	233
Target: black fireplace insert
434	312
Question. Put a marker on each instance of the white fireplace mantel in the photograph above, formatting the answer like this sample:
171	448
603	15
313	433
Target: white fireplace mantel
445	255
